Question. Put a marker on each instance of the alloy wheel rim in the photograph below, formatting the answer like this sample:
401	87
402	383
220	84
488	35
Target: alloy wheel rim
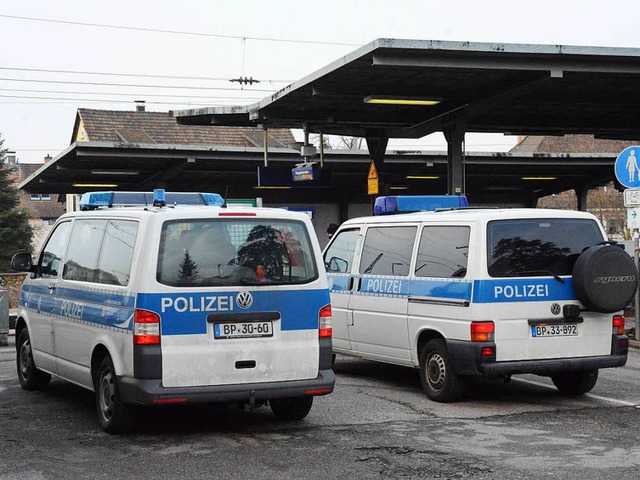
436	371
107	392
25	355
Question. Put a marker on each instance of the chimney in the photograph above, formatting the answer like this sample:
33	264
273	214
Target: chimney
47	159
139	105
11	158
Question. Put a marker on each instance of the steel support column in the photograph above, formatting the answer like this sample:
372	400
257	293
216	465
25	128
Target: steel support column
455	158
581	196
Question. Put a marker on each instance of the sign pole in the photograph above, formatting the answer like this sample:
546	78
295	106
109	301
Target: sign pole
627	172
636	257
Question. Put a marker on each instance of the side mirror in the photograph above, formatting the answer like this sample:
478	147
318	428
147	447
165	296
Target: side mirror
22	262
337	264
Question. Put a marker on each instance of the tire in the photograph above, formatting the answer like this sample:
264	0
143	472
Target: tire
575	383
113	415
291	409
29	376
437	373
605	278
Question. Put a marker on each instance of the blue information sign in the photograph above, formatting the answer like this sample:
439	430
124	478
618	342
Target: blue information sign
627	167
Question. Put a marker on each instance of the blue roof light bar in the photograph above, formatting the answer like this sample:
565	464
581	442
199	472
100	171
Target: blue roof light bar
93	200
418	203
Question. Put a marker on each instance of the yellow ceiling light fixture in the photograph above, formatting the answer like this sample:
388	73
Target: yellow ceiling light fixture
538	178
394	100
422	177
95	185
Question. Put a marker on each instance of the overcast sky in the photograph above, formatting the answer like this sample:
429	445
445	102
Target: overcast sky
275	41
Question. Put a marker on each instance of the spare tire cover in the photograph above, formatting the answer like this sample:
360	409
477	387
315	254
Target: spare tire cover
605	278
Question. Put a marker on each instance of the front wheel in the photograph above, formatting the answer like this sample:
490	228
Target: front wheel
29	376
439	379
113	415
575	383
291	409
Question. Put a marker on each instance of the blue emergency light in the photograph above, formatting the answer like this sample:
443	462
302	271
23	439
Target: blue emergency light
418	203
93	200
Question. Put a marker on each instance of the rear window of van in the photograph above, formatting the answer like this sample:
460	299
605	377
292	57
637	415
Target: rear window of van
538	247
232	252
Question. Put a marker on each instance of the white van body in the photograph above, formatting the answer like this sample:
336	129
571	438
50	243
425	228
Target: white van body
168	295
448	279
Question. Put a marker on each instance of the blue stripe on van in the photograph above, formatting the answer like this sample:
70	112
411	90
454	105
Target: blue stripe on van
393	286
522	290
445	289
93	295
186	313
484	291
339	282
105	309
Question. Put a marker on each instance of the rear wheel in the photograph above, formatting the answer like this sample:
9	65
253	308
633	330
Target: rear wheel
29	376
437	373
575	383
291	409
113	415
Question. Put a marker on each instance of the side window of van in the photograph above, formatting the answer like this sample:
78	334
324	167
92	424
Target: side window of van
443	252
339	256
114	264
387	250
51	257
84	248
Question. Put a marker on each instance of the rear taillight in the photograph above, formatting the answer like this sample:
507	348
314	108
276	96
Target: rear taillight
325	322
146	328
482	331
618	325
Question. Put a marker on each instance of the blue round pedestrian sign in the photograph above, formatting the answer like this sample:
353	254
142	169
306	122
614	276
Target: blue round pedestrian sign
627	167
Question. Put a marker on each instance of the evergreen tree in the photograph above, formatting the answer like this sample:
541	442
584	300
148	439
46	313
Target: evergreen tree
188	272
15	230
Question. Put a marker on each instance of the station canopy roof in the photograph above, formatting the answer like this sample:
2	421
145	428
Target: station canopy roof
511	89
486	87
491	178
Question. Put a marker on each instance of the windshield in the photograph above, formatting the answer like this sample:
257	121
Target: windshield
231	252
534	248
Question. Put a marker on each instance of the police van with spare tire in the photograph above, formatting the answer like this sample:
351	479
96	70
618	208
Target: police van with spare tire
177	300
460	292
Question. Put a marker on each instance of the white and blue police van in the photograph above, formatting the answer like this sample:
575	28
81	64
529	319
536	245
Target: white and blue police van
458	292
175	299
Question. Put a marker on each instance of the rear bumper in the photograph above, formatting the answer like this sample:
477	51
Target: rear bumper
469	361
151	392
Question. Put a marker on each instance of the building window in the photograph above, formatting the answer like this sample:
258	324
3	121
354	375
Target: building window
40	196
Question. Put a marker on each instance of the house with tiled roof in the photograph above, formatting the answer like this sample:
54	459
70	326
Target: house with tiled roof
43	208
570	144
607	202
143	127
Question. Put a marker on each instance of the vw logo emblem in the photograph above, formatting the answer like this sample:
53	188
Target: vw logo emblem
245	300
555	309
